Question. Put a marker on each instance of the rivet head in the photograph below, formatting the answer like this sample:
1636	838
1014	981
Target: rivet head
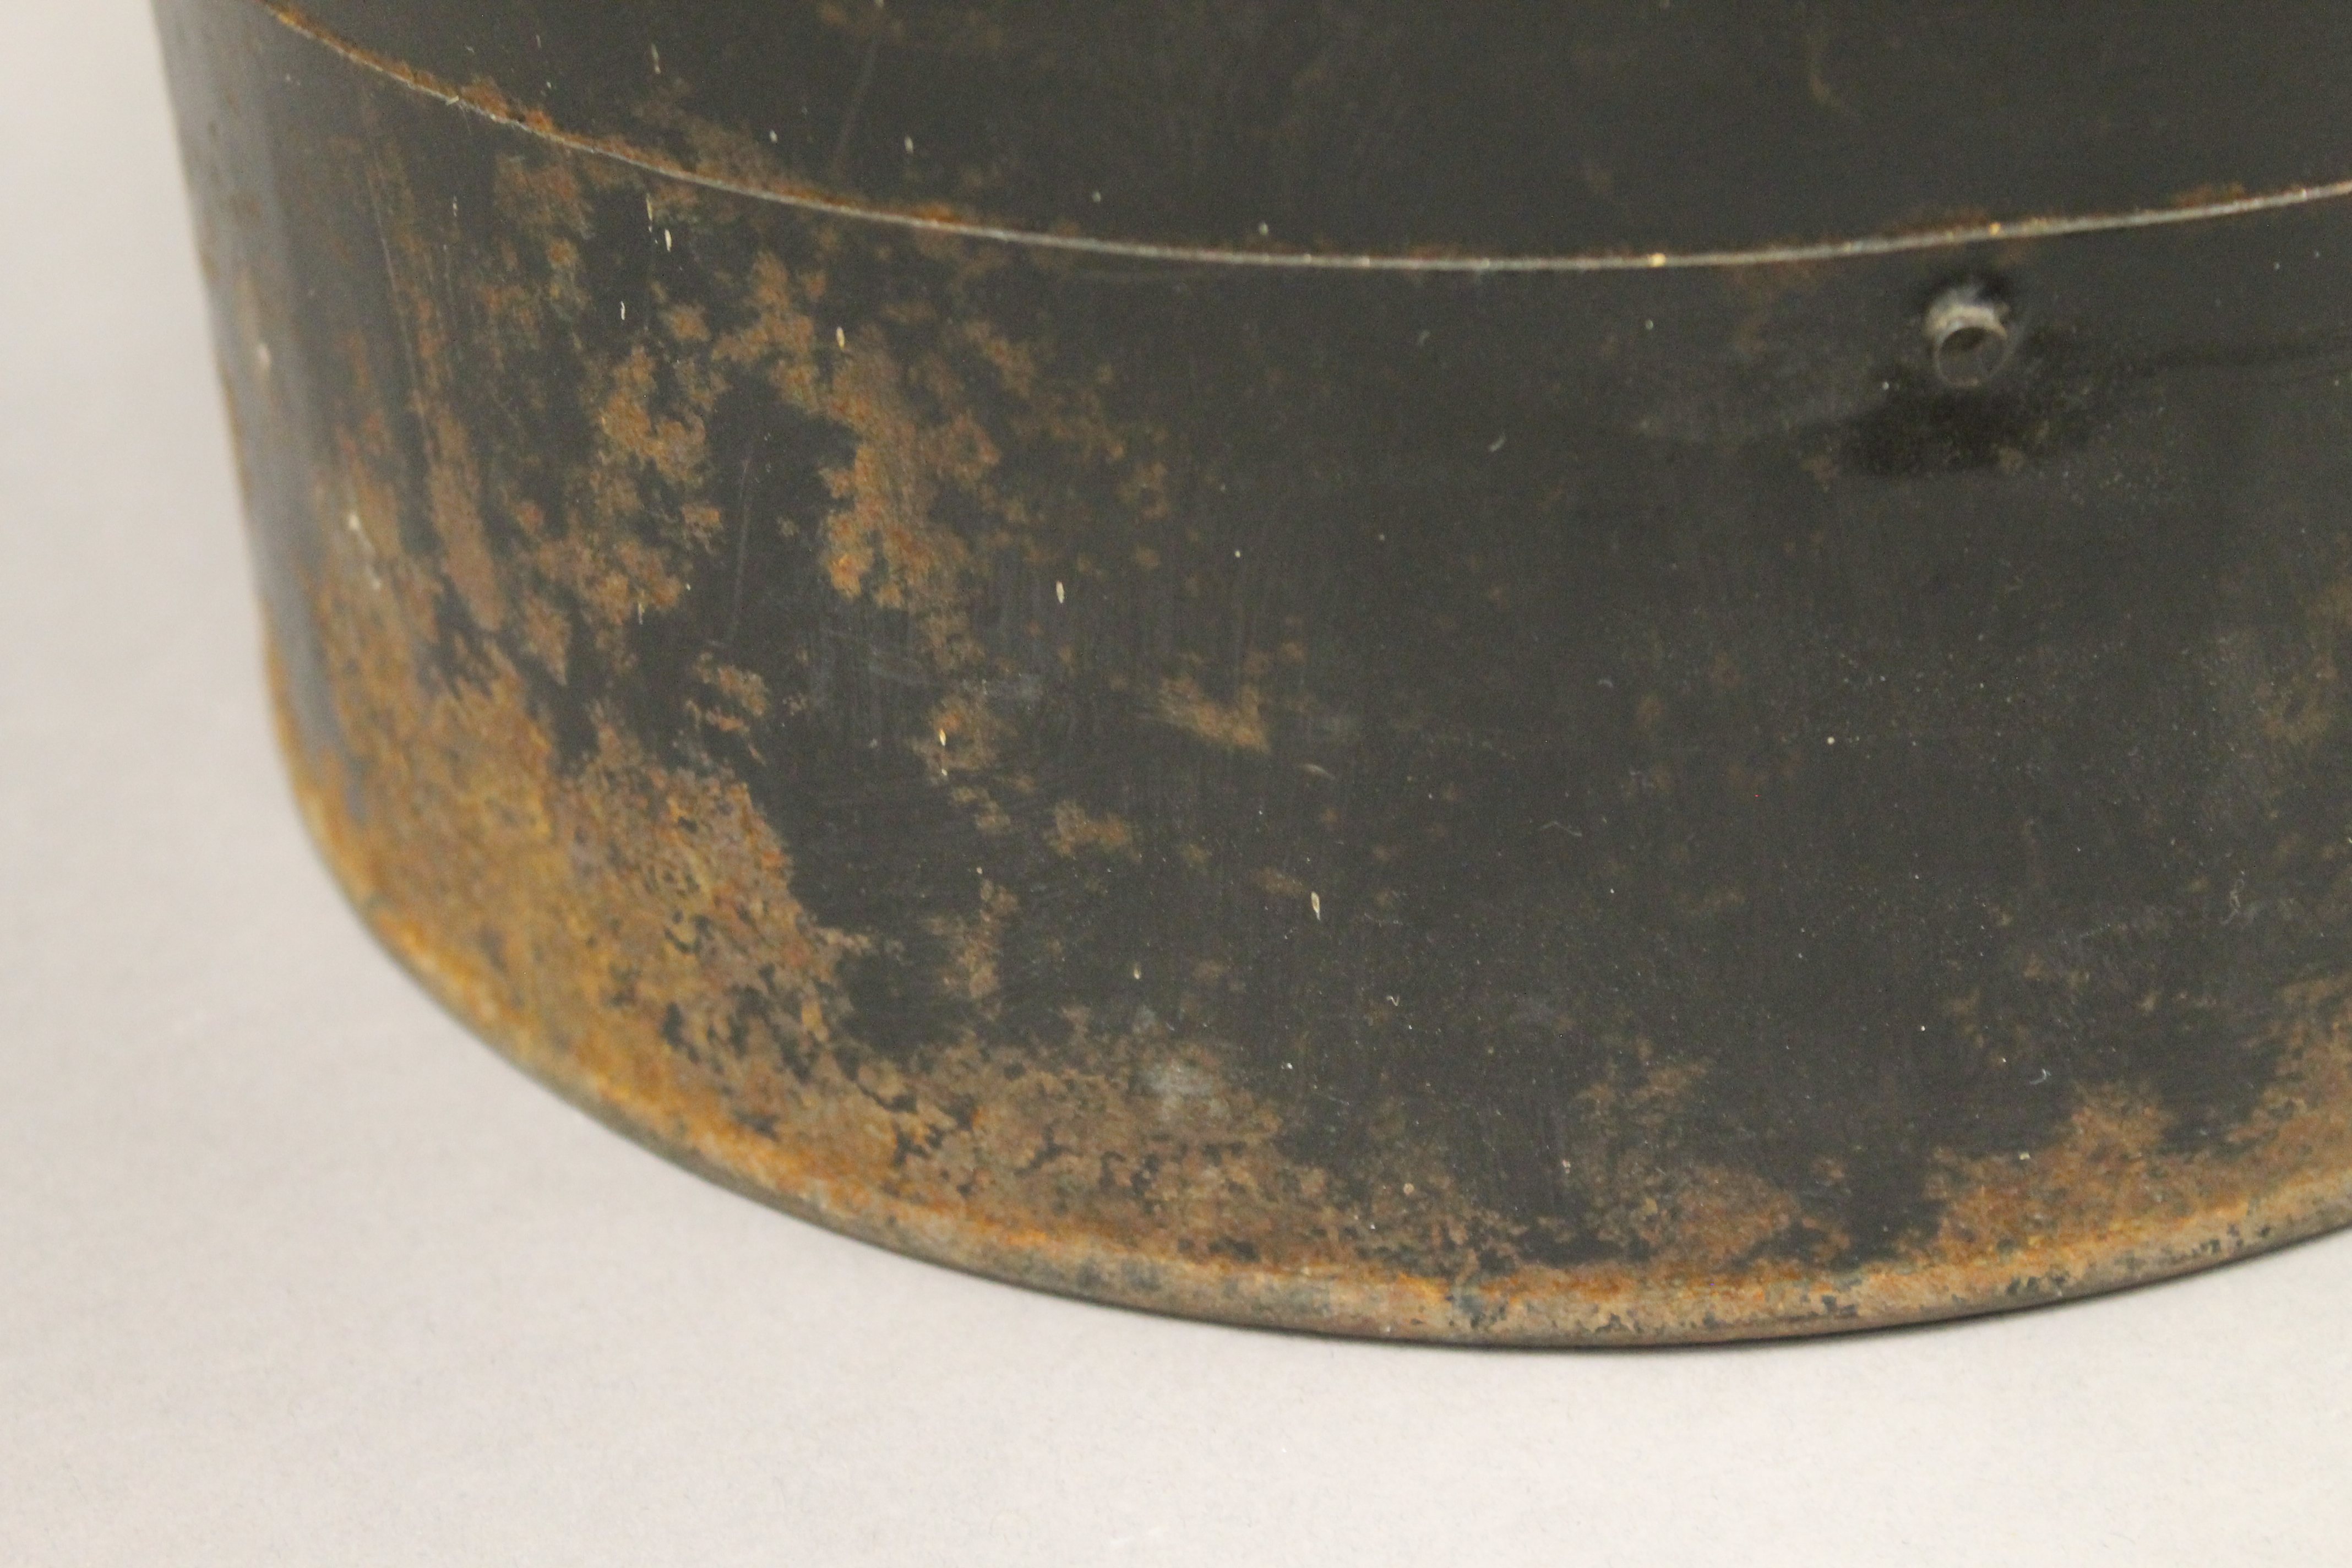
1968	337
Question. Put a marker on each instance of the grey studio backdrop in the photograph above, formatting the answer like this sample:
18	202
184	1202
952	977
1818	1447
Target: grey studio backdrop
292	1270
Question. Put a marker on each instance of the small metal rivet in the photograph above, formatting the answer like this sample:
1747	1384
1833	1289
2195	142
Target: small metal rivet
1967	335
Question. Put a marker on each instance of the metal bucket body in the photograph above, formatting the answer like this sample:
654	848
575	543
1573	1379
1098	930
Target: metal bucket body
1752	748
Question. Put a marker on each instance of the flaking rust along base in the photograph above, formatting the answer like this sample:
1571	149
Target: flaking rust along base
1164	786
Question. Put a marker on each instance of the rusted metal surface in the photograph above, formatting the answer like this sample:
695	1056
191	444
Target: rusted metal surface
1599	806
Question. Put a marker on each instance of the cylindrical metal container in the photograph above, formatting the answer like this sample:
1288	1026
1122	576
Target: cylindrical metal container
1595	672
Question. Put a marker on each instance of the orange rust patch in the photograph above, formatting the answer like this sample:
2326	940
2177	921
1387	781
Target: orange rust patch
1078	831
629	931
738	699
1235	726
2111	1185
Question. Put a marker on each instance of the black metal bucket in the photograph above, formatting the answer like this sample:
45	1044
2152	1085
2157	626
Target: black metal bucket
1601	672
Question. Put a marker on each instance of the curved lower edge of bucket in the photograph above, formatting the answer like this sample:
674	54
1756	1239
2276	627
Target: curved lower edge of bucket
1361	1304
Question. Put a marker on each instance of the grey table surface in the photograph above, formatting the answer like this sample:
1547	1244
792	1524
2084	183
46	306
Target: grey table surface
292	1270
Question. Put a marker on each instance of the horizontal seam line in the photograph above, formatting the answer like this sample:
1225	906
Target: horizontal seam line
1314	261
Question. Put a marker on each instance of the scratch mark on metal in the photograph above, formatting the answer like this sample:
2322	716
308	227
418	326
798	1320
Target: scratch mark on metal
2052	226
857	107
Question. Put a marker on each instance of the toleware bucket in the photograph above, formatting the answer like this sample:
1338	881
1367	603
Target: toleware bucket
1541	674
